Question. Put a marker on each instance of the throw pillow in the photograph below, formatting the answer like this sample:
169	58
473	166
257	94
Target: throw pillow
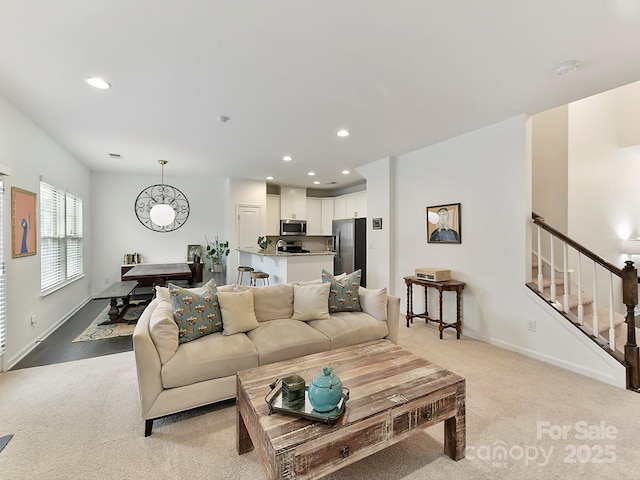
195	311
310	302
374	302
162	293
238	314
343	295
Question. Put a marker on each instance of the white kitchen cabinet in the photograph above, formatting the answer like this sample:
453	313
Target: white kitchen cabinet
339	211
314	216
356	205
293	203
327	216
273	214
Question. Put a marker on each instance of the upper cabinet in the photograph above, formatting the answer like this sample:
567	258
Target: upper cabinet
314	216
327	216
353	205
273	214
356	205
293	203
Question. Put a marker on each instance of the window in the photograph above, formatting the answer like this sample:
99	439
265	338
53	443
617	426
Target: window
3	296
61	245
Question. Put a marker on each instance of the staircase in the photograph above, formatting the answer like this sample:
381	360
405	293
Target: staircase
611	330
588	310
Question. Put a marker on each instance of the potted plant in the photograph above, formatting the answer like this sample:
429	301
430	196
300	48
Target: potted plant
216	251
264	242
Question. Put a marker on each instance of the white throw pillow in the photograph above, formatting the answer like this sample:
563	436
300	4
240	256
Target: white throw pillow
237	310
374	302
311	302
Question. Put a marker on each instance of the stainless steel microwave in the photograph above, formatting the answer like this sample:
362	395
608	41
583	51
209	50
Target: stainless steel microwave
293	227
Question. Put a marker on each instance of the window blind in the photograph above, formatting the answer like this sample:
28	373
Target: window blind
61	230
3	293
74	236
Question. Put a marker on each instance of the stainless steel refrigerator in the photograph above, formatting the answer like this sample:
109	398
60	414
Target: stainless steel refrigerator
350	245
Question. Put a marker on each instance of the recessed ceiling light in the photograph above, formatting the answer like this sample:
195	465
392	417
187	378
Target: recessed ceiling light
287	158
567	67
343	133
311	174
316	182
96	82
346	172
269	177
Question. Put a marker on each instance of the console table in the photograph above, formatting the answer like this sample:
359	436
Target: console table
445	286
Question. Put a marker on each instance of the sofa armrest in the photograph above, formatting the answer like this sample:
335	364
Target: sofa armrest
393	317
148	366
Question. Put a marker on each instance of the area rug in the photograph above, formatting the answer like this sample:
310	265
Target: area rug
95	331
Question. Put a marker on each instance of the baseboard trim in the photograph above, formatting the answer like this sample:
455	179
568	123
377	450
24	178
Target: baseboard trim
13	361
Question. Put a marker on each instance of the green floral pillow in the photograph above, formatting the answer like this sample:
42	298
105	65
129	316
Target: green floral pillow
195	311
343	294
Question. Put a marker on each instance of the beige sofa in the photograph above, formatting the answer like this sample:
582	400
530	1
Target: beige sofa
175	377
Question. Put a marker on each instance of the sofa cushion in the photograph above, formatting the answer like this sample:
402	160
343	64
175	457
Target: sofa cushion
310	302
273	301
163	330
284	338
343	296
238	315
350	328
196	312
374	302
212	356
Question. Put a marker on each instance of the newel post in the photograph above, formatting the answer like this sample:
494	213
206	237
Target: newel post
630	299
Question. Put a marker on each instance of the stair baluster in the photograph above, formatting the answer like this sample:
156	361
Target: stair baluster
540	275
594	325
552	287
580	299
612	332
567	285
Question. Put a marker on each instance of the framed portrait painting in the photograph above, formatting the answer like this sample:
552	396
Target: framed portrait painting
24	234
192	251
443	224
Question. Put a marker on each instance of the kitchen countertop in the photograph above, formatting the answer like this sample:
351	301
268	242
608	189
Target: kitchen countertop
273	253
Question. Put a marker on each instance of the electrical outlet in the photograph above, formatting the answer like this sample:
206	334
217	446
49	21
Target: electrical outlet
107	281
34	319
531	325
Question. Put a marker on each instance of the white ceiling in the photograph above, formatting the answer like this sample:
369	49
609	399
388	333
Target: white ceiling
399	74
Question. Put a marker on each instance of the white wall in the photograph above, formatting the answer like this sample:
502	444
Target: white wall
117	230
248	193
30	153
550	166
380	204
488	171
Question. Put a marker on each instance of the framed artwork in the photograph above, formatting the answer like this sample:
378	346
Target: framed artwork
443	224
377	223
24	234
193	250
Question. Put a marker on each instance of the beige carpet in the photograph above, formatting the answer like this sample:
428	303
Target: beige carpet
97	331
80	420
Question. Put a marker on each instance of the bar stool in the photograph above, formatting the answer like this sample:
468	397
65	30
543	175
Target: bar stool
241	271
256	275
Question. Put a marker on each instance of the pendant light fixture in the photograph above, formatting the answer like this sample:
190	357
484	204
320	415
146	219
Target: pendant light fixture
162	208
162	214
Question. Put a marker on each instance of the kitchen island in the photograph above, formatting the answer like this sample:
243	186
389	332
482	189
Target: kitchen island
284	267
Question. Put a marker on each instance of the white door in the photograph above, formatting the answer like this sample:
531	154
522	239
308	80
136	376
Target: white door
248	226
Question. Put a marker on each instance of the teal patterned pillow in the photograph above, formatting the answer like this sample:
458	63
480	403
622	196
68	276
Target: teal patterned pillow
343	294
195	311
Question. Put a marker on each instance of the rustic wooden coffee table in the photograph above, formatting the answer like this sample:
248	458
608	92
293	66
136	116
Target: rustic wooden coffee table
393	394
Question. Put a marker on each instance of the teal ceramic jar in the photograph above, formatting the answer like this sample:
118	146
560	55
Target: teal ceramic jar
325	391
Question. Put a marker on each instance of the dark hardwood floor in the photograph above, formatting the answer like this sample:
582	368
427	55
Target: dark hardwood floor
58	346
